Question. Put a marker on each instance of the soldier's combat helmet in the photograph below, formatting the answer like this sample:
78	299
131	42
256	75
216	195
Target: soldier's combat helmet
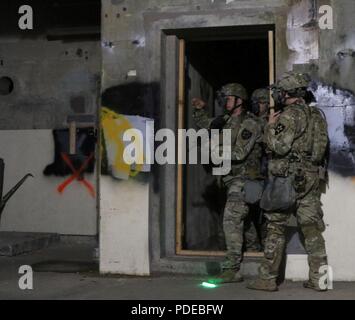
234	89
259	96
293	80
231	89
295	84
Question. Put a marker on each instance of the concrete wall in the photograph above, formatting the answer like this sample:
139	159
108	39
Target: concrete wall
49	77
124	239
37	206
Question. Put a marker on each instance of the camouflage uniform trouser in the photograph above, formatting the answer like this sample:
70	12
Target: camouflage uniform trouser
235	212
310	220
251	237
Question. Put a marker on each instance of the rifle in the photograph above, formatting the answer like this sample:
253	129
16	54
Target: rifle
272	103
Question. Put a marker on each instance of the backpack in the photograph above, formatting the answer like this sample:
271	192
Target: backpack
317	135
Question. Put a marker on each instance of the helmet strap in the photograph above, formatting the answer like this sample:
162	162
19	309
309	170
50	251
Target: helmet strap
236	106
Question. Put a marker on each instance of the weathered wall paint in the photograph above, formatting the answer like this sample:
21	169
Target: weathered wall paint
37	206
48	76
302	33
124	201
113	146
339	108
124	239
52	80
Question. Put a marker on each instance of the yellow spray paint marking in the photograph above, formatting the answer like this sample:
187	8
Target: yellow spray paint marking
114	126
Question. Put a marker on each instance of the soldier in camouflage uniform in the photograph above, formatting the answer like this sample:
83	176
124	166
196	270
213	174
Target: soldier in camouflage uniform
246	154
260	100
297	139
260	103
251	237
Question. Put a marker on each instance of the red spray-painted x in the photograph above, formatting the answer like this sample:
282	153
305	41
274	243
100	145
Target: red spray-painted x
76	174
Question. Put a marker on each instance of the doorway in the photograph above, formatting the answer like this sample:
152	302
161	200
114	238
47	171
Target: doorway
208	59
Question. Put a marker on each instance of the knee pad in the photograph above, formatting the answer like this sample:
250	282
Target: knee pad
314	240
272	244
311	231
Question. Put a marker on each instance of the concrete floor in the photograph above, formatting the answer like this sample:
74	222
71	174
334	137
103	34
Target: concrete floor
90	285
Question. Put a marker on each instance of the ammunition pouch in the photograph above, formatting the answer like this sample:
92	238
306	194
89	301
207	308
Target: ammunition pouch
279	167
299	181
253	191
279	194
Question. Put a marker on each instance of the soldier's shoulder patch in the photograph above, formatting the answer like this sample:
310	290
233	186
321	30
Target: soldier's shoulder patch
279	128
246	134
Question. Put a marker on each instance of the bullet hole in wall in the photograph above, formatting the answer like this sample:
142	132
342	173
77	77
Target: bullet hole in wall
346	53
6	86
108	44
79	52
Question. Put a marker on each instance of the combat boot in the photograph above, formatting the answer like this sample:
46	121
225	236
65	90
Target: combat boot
315	286
228	276
264	285
315	264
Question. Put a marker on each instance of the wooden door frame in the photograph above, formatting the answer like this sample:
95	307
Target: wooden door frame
179	181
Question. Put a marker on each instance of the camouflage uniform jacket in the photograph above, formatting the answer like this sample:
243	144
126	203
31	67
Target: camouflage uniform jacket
263	121
289	142
246	137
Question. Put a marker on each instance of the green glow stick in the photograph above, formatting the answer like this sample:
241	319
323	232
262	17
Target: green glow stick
208	285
